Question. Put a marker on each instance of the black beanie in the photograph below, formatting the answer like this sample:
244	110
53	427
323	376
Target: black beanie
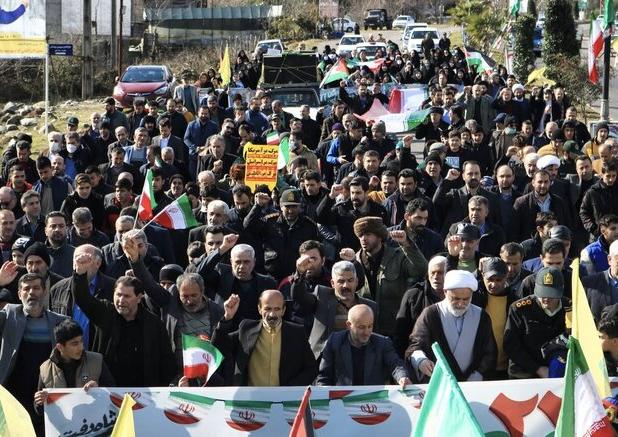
170	272
39	250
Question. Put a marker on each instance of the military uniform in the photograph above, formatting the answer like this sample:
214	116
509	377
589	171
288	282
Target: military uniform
528	328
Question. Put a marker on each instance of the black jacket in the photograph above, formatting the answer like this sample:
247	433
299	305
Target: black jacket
297	365
159	367
343	215
599	292
524	215
598	201
491	241
22	227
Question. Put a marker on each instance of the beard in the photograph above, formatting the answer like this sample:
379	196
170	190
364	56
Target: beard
455	311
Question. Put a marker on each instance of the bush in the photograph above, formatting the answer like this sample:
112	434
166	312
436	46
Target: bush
482	22
523	55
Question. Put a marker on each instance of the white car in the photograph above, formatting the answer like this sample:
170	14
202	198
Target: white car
344	24
417	36
270	47
347	43
402	21
370	48
405	35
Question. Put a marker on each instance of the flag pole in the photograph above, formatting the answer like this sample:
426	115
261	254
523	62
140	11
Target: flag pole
607	54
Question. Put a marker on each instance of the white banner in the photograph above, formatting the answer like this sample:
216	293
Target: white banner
72	11
22	29
503	408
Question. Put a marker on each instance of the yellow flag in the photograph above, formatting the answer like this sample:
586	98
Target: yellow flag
225	68
538	77
125	427
14	419
585	331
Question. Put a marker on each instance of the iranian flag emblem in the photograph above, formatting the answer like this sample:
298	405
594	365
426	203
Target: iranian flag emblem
247	416
189	409
320	410
369	409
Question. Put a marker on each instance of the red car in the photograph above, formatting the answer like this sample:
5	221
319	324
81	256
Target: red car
148	82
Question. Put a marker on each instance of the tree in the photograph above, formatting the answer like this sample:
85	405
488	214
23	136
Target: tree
523	56
559	36
532	9
483	24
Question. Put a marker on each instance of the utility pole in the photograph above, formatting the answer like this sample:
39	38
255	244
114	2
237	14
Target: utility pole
113	41
121	15
607	55
87	67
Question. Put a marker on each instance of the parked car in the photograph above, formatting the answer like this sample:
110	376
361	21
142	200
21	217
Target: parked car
537	41
417	36
405	35
347	43
148	82
270	47
402	21
344	24
370	48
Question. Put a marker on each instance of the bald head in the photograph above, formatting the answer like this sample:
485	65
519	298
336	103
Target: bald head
271	307
360	324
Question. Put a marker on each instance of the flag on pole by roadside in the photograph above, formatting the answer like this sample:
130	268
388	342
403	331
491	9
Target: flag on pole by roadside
199	357
444	394
514	7
585	331
337	72
177	215
595	47
225	68
479	60
303	422
14	419
284	152
581	412
125	424
147	202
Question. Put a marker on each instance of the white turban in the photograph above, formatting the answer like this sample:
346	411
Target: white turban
460	279
546	161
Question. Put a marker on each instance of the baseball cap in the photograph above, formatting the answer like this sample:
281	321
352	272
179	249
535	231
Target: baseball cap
549	283
570	146
468	231
500	118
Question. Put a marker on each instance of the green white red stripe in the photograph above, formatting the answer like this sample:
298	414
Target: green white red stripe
370	408
199	357
177	215
147	202
581	412
247	416
337	72
272	138
284	152
595	47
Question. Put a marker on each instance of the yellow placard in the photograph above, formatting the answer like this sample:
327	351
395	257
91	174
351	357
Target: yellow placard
261	165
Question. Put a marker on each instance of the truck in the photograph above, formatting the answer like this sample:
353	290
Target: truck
377	19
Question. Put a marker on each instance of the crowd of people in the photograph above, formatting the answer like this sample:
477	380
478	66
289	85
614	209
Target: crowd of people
344	274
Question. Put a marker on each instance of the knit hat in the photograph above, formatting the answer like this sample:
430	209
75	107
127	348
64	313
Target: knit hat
39	250
170	272
21	244
433	157
370	225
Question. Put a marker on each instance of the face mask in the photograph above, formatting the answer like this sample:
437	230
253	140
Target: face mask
510	130
54	147
71	148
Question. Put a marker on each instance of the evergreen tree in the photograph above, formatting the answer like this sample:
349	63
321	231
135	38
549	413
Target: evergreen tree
532	9
523	56
559	36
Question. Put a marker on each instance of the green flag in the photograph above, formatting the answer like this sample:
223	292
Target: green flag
608	14
515	6
443	394
413	119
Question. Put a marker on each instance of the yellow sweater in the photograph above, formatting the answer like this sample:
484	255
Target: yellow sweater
264	360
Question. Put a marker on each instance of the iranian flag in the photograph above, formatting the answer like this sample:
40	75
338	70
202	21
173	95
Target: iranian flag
581	412
147	202
284	152
595	47
480	61
337	72
177	215
200	358
272	139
